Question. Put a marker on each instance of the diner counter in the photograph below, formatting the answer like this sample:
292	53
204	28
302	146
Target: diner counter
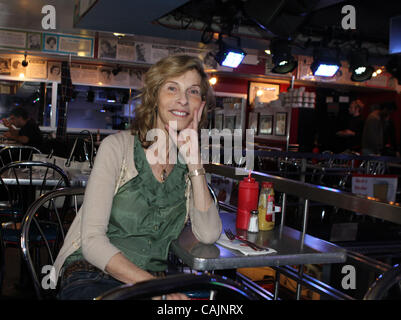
291	250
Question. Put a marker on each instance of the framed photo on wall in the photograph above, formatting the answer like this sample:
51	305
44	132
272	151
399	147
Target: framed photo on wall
238	122
260	93
229	123
265	124
253	122
218	121
281	124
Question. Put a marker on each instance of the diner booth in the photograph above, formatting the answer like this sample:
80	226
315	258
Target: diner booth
336	211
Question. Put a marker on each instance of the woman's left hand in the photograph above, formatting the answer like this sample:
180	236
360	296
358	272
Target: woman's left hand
187	141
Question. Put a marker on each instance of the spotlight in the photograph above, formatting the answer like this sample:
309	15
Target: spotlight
116	70
24	62
325	63
111	97
361	70
393	66
213	80
282	58
229	56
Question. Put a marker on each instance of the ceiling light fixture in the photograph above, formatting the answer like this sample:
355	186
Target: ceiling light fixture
229	56
282	58
24	62
359	66
213	81
116	70
326	63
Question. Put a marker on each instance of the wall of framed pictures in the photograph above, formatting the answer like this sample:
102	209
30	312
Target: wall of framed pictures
270	123
230	112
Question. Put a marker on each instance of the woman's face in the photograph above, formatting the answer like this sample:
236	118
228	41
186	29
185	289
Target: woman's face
178	99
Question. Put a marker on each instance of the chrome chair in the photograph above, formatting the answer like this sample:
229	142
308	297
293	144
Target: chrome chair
386	286
16	153
221	288
39	246
24	181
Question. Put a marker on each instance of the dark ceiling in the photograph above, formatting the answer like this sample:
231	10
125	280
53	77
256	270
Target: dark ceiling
305	22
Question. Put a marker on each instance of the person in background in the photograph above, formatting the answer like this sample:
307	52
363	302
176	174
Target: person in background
350	137
390	147
29	132
137	200
375	135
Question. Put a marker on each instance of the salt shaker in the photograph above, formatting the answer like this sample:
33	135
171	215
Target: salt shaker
253	221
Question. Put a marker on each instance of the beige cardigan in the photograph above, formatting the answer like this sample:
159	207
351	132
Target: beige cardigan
114	166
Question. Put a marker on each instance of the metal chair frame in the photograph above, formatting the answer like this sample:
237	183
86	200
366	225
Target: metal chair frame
48	169
386	281
180	283
10	152
56	217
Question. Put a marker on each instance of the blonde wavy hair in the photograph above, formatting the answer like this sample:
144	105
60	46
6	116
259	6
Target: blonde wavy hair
155	77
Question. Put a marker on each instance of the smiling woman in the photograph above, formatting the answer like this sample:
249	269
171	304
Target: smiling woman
133	207
162	76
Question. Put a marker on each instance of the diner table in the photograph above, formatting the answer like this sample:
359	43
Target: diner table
8	143
291	247
77	178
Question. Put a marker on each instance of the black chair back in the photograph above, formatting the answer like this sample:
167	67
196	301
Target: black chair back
221	288
43	231
24	181
16	153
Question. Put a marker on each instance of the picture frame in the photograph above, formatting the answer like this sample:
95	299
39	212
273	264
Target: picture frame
262	93
238	123
229	123
281	124
265	124
218	121
253	122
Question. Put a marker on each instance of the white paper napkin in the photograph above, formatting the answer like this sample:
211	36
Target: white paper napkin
240	246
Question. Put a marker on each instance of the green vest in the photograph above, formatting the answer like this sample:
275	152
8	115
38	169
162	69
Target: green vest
146	215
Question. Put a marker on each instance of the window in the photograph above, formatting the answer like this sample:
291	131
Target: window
35	97
100	108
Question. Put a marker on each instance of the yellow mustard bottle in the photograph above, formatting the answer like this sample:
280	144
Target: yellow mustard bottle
266	207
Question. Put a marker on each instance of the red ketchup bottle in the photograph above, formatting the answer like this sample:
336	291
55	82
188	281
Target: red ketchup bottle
248	194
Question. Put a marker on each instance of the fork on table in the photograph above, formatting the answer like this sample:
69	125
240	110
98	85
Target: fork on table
232	236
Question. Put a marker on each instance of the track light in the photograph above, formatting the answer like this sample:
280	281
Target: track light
213	80
229	56
111	97
282	58
116	70
361	70
326	63
24	62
